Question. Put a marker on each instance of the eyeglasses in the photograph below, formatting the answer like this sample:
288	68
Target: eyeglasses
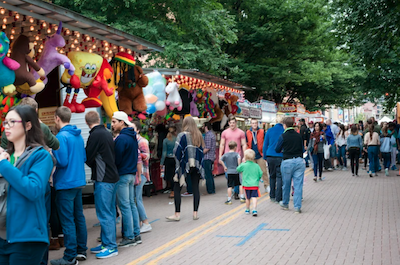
10	124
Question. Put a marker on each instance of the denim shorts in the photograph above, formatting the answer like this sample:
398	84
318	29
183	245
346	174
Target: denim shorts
332	151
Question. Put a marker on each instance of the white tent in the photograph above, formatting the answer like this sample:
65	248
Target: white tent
385	119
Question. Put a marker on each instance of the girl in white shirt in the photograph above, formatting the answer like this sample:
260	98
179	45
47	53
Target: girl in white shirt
341	142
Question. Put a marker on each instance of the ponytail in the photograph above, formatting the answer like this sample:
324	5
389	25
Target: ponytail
371	128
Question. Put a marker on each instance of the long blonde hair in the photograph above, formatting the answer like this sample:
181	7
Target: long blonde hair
189	125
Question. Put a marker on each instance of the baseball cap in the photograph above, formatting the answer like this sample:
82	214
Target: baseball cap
310	122
122	116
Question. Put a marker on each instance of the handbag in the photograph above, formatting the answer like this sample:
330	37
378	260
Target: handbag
326	151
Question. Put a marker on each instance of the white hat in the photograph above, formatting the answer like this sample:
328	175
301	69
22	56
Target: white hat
122	116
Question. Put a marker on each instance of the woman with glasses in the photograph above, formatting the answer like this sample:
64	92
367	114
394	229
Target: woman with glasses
25	168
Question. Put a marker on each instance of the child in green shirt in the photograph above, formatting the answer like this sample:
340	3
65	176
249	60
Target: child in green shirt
252	174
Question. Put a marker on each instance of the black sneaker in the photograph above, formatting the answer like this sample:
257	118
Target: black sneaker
236	196
81	256
126	242
138	240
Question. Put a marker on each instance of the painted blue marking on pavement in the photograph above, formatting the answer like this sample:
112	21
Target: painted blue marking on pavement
154	221
230	236
270	229
251	234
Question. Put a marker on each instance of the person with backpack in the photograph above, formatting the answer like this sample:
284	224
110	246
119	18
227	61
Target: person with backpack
25	168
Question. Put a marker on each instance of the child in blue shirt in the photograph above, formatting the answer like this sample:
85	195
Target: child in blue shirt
230	161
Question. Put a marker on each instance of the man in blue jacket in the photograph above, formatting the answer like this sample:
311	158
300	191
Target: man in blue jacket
126	159
274	160
69	179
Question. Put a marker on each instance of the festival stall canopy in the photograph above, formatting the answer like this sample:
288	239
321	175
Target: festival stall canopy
385	119
195	79
38	19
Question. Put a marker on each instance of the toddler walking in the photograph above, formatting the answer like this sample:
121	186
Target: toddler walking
230	162
252	174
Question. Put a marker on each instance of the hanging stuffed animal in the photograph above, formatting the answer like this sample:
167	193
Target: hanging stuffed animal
87	66
193	108
235	105
51	58
23	51
173	100
209	104
200	102
7	67
99	85
228	107
129	80
186	98
6	102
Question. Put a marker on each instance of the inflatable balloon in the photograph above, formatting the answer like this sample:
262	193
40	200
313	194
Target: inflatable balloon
160	105
151	108
154	92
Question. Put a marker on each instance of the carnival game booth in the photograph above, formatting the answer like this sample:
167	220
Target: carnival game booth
315	116
63	58
269	111
296	111
249	111
190	92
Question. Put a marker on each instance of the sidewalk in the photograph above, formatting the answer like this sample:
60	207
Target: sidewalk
345	220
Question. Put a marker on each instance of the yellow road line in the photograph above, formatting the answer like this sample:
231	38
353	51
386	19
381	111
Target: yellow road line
191	232
187	234
193	240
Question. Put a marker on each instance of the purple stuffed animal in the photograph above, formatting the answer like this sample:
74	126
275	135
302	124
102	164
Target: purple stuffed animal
193	107
51	58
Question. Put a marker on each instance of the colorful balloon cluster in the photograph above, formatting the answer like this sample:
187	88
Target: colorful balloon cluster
154	92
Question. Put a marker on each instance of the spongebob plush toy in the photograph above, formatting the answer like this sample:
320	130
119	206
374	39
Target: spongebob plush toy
87	66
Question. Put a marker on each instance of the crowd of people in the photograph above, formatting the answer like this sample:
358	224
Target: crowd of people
42	175
329	145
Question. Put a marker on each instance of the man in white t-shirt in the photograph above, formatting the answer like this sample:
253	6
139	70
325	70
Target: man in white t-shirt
233	133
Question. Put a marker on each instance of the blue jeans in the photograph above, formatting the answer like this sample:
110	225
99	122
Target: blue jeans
342	155
386	160
27	253
209	177
48	211
293	169
126	201
104	200
373	158
139	199
70	211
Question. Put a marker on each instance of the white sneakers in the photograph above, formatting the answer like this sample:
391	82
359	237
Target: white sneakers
145	228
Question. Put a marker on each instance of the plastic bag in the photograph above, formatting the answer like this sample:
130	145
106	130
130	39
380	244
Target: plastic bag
327	151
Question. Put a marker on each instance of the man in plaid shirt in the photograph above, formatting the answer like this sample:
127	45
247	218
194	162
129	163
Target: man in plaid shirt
209	157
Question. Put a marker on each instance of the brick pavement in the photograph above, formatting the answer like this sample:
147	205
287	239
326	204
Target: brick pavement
345	220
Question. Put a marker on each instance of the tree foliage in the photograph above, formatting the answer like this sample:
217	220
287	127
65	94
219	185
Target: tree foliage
192	32
369	29
286	49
